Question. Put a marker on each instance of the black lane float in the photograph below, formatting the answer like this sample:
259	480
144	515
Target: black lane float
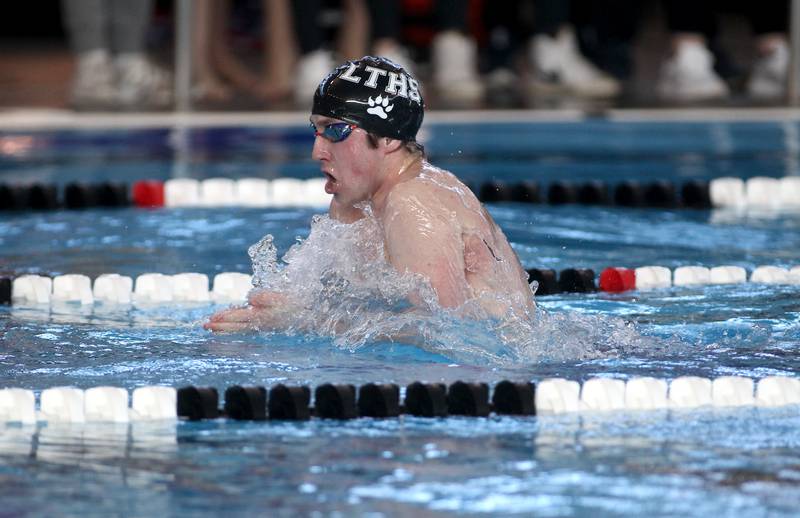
346	401
151	193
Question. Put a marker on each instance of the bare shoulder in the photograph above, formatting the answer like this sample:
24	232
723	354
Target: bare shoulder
408	197
435	187
405	190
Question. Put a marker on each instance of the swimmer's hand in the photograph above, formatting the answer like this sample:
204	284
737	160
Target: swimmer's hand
265	310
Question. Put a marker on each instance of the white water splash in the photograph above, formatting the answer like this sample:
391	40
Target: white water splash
264	257
347	290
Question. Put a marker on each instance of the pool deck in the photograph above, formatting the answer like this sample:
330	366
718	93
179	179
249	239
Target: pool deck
44	118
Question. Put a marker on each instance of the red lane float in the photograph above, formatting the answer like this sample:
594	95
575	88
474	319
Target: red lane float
148	193
616	280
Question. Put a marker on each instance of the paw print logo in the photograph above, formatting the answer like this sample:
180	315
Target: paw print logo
379	106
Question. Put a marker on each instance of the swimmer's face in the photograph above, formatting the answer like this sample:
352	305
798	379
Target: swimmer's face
350	165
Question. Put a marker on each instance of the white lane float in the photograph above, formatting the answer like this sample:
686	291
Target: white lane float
231	287
190	287
154	403
32	289
691	276
603	394
218	192
646	393
253	192
113	288
727	275
182	192
153	288
106	404
653	277
727	192
557	395
72	288
62	404
689	392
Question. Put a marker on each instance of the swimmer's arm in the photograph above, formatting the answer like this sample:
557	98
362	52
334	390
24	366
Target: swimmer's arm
420	243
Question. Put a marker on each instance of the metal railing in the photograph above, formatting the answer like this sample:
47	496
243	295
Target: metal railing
183	56
794	63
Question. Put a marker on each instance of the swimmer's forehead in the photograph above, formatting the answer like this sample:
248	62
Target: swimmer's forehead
321	120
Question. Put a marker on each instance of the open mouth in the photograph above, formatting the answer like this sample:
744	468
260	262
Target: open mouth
330	185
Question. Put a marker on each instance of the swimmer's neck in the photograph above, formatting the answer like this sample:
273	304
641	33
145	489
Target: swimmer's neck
396	171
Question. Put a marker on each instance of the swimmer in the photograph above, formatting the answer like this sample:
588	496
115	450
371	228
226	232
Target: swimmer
365	117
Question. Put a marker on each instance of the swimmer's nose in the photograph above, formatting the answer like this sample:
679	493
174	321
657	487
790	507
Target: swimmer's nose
319	150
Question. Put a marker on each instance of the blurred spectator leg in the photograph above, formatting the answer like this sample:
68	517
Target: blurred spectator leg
315	62
93	85
140	83
558	65
454	56
206	84
605	40
688	75
769	76
385	24
279	52
505	33
354	29
223	59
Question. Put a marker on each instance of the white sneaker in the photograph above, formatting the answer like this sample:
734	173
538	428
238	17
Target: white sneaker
311	70
501	79
141	83
455	68
689	76
559	67
502	88
93	85
769	75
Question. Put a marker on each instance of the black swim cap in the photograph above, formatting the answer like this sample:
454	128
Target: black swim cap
375	94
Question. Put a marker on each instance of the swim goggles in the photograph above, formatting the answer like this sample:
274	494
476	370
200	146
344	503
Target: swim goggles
335	132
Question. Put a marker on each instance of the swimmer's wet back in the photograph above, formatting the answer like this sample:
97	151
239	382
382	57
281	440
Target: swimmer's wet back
452	230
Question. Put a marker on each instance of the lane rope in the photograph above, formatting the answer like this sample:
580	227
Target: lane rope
383	400
112	288
233	287
759	193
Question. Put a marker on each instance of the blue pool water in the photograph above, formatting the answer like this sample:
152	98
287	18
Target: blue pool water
727	462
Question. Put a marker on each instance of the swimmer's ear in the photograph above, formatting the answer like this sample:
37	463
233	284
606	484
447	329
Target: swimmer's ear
391	145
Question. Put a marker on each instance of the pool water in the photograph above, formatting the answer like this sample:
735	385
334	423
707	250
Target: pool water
693	463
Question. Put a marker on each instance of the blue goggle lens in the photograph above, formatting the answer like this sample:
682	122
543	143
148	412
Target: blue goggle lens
336	132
